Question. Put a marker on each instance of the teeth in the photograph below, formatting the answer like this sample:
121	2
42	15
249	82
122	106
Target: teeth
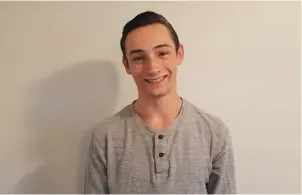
156	80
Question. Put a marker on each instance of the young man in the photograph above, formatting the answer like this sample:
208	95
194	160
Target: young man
160	143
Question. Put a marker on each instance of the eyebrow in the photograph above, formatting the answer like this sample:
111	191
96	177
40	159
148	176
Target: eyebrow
156	47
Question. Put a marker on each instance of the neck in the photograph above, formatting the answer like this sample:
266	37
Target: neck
165	107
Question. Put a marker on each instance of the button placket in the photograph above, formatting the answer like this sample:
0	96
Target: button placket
161	146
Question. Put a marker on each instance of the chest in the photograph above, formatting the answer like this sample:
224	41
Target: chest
160	162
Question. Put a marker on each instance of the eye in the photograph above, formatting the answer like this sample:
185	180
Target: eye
163	53
135	59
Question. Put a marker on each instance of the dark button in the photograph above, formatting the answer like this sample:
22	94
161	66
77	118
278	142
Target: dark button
161	154
160	137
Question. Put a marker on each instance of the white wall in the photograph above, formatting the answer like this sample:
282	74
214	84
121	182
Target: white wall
61	72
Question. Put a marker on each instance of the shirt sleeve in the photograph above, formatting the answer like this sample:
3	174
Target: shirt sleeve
96	181
222	177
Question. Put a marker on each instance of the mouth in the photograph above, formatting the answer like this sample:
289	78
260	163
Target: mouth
156	80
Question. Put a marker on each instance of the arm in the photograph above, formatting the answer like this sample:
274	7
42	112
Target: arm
222	177
96	174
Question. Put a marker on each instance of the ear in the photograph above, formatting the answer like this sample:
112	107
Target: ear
126	66
180	54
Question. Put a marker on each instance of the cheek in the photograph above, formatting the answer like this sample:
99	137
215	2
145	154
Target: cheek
171	65
166	64
135	68
135	71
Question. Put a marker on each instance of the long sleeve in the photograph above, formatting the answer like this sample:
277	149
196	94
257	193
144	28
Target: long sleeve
222	177
96	181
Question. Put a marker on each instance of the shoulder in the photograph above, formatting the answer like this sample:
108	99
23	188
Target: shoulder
209	123
112	124
212	128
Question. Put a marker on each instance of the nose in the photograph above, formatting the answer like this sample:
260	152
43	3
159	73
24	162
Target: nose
152	66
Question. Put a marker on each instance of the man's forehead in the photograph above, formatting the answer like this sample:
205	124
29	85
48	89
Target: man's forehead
149	36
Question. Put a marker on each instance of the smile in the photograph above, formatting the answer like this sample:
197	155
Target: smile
156	81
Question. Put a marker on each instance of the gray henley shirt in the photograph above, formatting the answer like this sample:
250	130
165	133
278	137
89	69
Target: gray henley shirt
193	155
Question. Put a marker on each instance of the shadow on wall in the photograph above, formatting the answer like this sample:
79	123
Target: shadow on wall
62	110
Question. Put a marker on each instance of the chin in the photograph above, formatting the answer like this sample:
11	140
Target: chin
159	94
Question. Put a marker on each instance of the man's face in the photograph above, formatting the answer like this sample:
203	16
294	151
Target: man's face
152	60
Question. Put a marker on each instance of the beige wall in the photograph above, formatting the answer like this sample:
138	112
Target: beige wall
61	72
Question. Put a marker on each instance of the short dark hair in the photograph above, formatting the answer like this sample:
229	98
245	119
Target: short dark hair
144	19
